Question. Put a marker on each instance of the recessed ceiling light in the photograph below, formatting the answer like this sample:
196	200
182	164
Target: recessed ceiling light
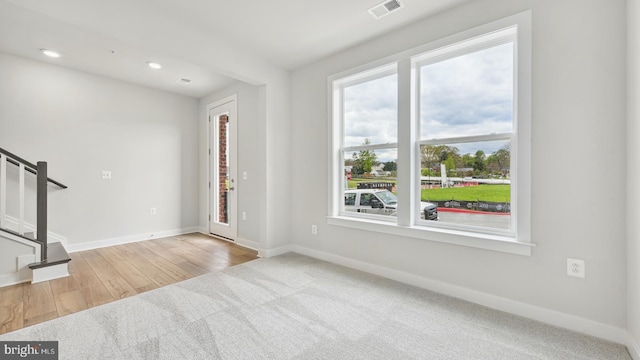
50	53
154	65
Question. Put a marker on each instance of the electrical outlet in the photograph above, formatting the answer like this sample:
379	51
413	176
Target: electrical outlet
153	211
575	268
244	215
106	175
314	230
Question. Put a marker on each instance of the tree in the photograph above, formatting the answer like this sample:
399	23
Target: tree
357	169
499	161
437	154
450	164
492	164
390	166
428	156
364	160
368	157
479	161
503	157
468	160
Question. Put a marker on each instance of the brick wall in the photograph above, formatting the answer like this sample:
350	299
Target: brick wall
223	122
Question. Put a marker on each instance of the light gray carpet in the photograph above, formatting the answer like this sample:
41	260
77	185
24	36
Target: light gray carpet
295	307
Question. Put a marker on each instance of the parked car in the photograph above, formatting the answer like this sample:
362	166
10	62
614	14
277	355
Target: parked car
382	202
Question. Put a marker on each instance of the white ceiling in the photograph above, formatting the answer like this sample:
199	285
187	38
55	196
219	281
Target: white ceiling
284	33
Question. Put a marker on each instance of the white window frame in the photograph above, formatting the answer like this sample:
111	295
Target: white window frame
516	241
486	41
339	85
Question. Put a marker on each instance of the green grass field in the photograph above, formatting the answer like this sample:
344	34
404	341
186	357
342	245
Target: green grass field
491	193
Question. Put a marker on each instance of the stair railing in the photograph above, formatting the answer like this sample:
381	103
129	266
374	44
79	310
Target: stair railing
40	170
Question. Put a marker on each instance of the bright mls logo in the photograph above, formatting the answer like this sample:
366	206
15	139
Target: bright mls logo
45	350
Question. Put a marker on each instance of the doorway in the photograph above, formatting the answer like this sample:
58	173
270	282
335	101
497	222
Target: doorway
222	168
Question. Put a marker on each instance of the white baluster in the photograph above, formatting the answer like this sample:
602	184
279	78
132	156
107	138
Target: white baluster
3	191
21	218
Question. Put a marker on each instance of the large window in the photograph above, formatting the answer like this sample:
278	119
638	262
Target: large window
368	106
444	131
466	123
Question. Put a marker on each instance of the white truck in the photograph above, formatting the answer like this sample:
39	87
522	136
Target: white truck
382	202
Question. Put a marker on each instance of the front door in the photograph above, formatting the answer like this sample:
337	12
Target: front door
222	174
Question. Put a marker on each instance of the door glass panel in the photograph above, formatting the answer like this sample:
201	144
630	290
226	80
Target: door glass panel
222	179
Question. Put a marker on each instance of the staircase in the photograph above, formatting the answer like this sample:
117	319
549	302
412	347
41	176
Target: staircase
36	258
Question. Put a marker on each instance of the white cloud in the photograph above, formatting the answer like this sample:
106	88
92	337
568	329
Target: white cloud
462	96
468	95
370	112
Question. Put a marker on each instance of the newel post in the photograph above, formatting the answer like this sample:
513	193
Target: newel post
41	219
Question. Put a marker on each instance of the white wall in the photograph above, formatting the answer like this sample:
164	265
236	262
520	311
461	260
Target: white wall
633	167
8	256
263	151
249	159
82	124
271	156
577	129
277	165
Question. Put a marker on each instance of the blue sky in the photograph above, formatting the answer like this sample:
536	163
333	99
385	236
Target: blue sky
462	96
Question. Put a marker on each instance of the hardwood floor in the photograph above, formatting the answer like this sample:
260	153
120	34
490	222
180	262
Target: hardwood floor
104	275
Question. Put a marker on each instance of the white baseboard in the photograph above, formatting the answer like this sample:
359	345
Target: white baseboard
250	244
253	245
15	278
633	346
277	251
552	317
128	239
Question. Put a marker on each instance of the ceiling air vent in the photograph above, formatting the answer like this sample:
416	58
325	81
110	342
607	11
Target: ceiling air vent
385	8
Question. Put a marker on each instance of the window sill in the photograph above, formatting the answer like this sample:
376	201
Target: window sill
448	236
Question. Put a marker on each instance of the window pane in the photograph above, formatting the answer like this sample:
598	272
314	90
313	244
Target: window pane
468	95
370	178
371	112
370	166
470	183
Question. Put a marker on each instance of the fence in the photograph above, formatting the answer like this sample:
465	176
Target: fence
376	185
497	207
